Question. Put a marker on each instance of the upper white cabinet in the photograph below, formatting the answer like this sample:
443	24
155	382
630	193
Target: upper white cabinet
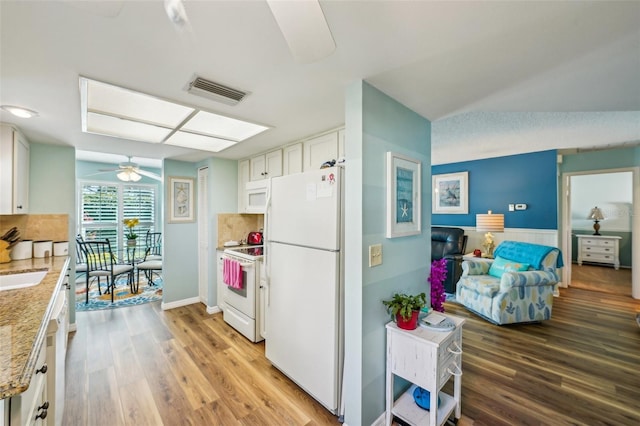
243	177
319	150
266	165
292	159
14	171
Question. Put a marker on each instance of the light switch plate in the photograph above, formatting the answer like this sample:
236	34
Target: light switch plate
512	207
375	255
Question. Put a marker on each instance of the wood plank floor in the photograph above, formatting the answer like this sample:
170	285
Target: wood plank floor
145	366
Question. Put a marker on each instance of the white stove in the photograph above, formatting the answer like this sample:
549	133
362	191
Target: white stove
241	307
250	252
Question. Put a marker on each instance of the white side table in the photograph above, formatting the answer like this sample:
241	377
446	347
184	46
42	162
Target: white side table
428	359
599	249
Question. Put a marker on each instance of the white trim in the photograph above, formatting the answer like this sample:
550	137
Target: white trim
379	421
213	310
179	303
73	327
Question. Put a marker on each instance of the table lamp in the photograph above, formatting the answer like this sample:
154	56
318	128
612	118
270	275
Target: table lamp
596	215
489	223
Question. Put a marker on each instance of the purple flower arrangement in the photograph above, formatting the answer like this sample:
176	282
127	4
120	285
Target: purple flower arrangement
437	277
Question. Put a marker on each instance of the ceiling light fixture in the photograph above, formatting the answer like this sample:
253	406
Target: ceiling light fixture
114	111
19	111
128	176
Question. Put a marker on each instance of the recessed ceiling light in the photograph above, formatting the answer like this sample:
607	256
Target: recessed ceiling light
19	111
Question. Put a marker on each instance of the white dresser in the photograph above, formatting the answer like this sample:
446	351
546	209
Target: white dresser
599	249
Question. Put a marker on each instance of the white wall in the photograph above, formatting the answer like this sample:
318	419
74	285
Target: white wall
612	192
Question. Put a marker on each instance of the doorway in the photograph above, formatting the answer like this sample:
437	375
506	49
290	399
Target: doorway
618	194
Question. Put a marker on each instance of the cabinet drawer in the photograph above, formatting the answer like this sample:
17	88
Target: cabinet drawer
596	242
598	257
598	249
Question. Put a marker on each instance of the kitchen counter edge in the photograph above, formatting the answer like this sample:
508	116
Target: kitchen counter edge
27	310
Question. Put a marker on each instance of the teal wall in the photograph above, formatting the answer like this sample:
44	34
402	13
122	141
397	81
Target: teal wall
180	244
376	124
52	190
222	197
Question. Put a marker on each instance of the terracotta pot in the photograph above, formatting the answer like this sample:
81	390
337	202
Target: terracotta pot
411	324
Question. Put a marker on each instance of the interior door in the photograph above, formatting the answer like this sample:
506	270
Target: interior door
203	236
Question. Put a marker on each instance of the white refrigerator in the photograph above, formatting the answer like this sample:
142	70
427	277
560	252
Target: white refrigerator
304	297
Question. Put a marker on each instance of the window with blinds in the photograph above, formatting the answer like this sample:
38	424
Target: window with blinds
105	206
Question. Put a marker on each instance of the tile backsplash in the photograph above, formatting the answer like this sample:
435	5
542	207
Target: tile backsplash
235	226
36	227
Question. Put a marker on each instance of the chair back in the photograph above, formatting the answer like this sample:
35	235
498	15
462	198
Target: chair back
81	257
447	241
153	242
99	255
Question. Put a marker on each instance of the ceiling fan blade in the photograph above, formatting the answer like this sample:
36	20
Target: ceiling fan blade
109	170
148	174
305	29
178	16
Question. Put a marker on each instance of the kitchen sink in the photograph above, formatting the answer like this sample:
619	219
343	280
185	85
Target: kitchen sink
21	280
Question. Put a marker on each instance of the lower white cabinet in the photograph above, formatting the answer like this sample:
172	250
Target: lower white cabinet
428	359
31	407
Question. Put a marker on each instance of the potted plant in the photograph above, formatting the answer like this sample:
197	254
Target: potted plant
406	309
131	236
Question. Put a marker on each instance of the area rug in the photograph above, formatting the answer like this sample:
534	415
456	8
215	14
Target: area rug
121	298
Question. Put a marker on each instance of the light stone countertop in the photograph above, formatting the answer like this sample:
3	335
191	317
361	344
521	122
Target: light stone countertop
24	317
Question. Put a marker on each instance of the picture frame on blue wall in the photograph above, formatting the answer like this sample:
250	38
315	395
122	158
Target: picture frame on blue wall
404	212
450	193
181	201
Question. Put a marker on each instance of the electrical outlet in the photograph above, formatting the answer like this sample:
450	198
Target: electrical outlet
375	255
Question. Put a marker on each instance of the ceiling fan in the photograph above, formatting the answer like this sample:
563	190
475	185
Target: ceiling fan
128	171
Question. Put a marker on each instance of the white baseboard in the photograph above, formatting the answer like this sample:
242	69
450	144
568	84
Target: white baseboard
379	421
213	310
179	303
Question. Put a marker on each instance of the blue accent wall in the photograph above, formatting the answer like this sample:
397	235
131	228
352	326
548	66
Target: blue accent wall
494	183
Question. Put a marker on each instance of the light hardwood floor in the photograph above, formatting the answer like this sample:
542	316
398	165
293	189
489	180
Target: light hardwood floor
145	366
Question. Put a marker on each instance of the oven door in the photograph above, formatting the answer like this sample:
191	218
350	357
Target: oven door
244	299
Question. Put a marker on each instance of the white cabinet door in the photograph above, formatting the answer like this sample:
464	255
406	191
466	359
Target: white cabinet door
319	150
257	166
14	171
266	165
273	164
243	178
341	143
292	159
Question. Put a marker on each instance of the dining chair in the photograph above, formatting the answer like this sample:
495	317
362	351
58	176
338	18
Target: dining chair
153	243
81	258
152	261
101	262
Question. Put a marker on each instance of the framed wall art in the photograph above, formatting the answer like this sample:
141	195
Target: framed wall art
403	196
181	200
451	193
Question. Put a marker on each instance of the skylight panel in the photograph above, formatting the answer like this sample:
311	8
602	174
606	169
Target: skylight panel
197	141
224	127
114	100
121	128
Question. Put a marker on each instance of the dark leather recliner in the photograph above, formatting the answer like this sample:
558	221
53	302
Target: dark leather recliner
449	243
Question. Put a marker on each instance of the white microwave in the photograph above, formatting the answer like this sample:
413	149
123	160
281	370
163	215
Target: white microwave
256	196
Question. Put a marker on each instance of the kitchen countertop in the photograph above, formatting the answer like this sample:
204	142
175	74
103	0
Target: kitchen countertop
24	316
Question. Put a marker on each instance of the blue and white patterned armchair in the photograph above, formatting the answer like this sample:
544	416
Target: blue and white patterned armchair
517	286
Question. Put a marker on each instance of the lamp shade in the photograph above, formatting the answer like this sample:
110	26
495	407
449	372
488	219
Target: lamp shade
596	214
490	222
